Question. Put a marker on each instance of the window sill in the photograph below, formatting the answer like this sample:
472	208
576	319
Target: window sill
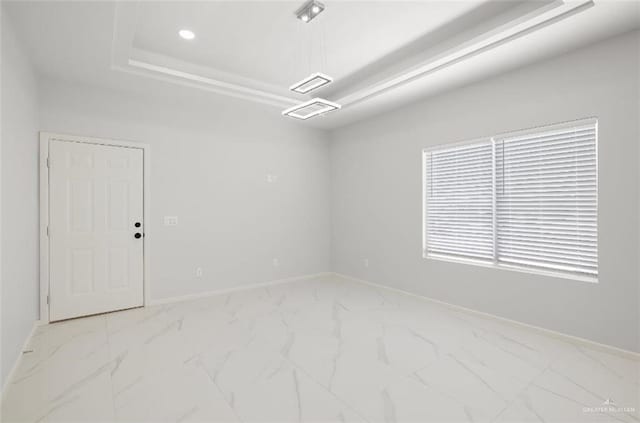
549	273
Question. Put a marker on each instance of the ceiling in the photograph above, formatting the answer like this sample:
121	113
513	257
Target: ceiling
381	54
265	42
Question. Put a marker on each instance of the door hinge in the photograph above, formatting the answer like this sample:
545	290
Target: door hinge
48	299
47	230
48	164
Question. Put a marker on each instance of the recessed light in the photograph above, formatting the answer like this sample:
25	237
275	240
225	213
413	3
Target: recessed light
305	18
315	9
186	34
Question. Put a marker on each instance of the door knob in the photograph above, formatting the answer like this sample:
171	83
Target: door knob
138	235
137	224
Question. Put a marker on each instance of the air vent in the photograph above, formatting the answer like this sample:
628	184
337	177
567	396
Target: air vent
310	108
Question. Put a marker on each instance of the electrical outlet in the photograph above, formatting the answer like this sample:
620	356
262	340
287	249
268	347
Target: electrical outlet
171	221
276	262
365	262
199	272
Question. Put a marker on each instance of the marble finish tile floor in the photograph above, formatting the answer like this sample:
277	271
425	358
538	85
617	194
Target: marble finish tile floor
326	349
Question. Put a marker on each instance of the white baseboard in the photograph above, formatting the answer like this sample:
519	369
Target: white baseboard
16	363
234	289
559	335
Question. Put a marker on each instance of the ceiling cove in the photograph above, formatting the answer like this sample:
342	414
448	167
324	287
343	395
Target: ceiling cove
478	30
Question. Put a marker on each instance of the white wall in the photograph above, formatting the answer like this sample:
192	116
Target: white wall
377	192
19	224
210	156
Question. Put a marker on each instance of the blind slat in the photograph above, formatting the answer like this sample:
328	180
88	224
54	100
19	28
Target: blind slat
547	200
528	200
459	201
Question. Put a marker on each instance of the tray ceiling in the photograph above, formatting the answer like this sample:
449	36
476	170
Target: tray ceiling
381	54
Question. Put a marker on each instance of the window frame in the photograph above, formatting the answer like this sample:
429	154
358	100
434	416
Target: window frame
495	264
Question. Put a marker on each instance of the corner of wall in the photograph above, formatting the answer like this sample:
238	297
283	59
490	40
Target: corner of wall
19	197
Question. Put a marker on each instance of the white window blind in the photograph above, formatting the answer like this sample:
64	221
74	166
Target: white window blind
459	201
526	200
547	199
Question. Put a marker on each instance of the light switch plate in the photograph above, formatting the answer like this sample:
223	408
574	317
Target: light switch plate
170	220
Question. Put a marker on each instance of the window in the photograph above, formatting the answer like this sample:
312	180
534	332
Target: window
522	200
460	201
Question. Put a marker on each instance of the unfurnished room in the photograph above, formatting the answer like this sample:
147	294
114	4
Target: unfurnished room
320	211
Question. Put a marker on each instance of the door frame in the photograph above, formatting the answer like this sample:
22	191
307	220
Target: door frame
45	139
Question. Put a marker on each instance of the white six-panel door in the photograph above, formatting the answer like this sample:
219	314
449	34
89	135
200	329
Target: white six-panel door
95	202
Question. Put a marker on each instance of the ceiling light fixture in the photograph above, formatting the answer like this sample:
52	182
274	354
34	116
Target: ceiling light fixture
311	108
309	10
311	82
186	34
316	106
